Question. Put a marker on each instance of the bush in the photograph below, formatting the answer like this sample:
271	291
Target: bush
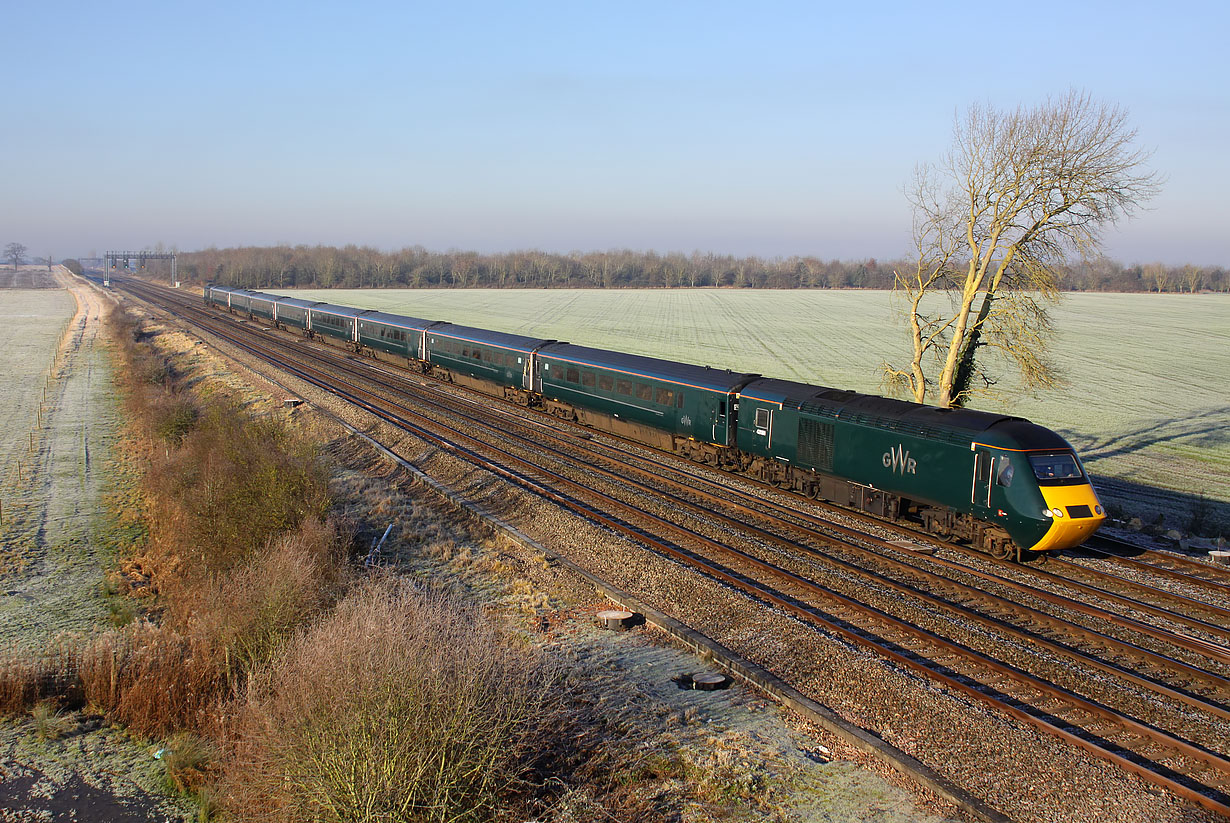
173	418
232	486
259	605
400	706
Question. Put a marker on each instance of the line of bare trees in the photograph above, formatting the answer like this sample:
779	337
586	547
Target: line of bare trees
351	267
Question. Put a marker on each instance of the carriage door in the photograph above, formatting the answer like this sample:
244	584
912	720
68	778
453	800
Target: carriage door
527	371
984	470
721	421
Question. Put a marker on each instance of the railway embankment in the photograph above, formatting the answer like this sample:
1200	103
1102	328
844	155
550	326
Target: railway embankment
234	602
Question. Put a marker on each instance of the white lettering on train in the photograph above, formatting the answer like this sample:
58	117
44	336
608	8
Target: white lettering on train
899	460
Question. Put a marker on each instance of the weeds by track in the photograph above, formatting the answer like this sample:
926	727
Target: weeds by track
780	570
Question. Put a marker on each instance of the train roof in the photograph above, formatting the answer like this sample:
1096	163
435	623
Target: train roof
785	392
340	311
298	303
499	339
260	295
400	320
704	377
955	425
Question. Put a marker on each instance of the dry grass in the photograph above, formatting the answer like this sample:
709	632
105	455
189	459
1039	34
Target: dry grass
186	758
429	718
27	677
286	692
49	722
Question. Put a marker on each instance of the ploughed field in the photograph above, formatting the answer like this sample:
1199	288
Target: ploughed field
1146	399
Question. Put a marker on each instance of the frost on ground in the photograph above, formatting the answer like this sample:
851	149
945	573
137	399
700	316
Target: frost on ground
58	464
1147	377
696	756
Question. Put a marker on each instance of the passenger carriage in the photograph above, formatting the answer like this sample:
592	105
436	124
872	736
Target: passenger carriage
673	406
493	362
335	324
293	312
394	334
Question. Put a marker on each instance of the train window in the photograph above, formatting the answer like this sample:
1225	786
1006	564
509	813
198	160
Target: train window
722	407
587	379
624	387
465	351
606	382
1004	476
478	354
664	397
1056	469
572	376
644	392
679	400
762	418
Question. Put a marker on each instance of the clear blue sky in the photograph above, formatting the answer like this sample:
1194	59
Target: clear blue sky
748	128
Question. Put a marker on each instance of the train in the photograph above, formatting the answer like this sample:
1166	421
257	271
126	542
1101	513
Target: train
1001	483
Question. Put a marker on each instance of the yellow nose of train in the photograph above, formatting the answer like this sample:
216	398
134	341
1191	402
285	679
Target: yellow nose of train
1075	513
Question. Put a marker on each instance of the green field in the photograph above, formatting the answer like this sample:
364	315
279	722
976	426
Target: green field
1146	400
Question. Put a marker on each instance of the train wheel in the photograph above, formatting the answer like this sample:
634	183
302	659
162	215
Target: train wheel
812	491
1002	550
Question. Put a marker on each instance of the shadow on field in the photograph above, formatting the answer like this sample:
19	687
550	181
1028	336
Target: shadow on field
1191	513
1209	428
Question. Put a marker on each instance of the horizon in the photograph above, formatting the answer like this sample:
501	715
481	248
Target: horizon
785	131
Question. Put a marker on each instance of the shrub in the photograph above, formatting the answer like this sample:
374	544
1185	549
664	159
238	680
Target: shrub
173	417
259	605
400	706
232	486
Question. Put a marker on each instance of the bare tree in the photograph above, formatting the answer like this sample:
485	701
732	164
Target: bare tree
1193	278
1158	274
15	253
1018	193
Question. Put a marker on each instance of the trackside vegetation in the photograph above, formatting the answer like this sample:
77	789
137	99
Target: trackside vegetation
241	652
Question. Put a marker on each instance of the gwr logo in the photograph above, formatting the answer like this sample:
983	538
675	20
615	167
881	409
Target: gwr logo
899	460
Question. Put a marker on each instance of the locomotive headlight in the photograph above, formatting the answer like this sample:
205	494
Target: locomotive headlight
1097	509
1058	511
1046	513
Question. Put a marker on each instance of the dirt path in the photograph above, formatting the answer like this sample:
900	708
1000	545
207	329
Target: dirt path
53	551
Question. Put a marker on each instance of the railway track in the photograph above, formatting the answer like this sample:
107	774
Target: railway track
778	561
